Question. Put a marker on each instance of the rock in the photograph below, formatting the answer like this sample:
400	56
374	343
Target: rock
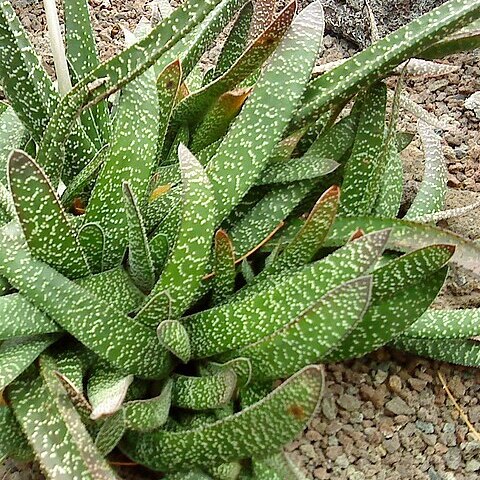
398	406
342	461
453	458
329	408
392	445
349	403
308	450
471	450
333	452
320	473
472	465
426	427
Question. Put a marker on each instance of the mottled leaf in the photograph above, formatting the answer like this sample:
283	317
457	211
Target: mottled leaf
173	337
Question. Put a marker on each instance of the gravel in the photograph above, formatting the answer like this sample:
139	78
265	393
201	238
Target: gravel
385	416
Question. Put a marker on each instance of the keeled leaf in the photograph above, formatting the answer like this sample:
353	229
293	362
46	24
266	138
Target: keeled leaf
271	304
49	234
282	414
243	154
173	336
110	433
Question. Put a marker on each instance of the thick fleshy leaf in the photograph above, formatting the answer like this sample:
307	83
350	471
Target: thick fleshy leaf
92	320
24	82
110	433
133	137
49	234
223	268
235	43
266	215
150	414
271	304
196	105
283	414
241	366
379	59
17	354
107	388
82	57
52	424
92	239
13	443
402	291
139	258
246	148
187	262
202	393
460	352
363	166
446	324
433	189
12	133
173	337
407	236
315	332
311	236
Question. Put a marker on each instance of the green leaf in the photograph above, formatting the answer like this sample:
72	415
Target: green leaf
363	166
235	43
278	467
12	133
49	235
82	57
196	105
433	189
92	239
106	389
150	414
311	236
308	337
13	443
402	291
202	393
168	84
241	366
139	258
459	352
187	262
24	82
283	414
174	338
52	425
378	60
110	433
445	324
17	354
242	155
407	236
114	336
269	305
131	139
266	215
224	272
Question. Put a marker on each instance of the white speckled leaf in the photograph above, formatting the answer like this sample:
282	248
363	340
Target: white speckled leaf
280	467
376	61
192	108
316	331
92	320
50	237
363	167
187	262
402	290
446	324
173	337
241	366
54	429
106	389
12	133
243	154
13	443
139	258
150	414
271	304
24	82
110	433
92	239
17	354
407	236
283	414
224	271
433	189
206	392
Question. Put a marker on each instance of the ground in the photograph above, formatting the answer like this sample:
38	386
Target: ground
387	415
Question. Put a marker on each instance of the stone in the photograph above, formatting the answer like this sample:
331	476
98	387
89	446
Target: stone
329	409
453	458
426	427
308	450
472	465
342	461
398	406
392	445
333	452
349	403
471	450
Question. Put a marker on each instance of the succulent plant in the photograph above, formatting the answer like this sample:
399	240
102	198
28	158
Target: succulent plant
175	255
